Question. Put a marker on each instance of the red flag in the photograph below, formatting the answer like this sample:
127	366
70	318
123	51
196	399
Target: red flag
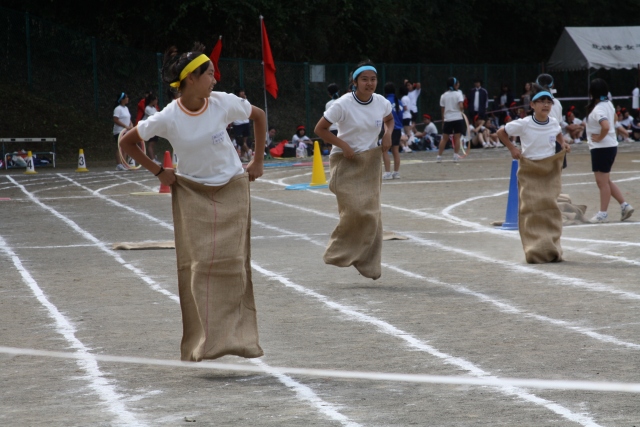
215	55
270	83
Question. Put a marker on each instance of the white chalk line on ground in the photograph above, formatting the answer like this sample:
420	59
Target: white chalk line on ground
105	389
385	327
303	392
501	305
557	278
601	386
419	345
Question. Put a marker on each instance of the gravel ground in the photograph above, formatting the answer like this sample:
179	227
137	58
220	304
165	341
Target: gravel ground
456	299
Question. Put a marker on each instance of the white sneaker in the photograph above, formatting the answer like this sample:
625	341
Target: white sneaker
600	218
627	210
387	175
456	158
439	159
407	150
395	175
120	167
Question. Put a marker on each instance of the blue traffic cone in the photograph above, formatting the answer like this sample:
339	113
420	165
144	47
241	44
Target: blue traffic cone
511	220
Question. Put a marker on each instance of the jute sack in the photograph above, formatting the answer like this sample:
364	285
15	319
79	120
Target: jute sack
357	240
212	235
540	219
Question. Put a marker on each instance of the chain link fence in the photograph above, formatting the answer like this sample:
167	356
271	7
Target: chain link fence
72	69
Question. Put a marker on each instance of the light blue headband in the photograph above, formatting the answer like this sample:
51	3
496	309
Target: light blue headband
541	94
361	69
121	97
454	83
604	98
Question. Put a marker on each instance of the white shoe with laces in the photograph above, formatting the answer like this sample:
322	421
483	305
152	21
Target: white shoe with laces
600	218
626	211
456	158
387	176
439	159
395	175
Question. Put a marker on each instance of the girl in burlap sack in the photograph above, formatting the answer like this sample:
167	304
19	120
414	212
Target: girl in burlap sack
211	210
356	171
539	177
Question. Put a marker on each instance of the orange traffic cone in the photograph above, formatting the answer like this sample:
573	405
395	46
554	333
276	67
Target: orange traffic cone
167	164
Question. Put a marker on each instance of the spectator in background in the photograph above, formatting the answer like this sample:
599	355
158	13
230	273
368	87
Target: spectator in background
151	107
271	135
503	101
635	97
242	132
429	135
142	104
525	98
334	94
413	90
302	142
121	120
478	99
396	111
573	128
625	118
406	117
635	125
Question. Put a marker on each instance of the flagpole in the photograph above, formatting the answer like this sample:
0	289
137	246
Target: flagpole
264	77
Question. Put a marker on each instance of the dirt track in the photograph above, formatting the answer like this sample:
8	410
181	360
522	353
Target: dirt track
454	299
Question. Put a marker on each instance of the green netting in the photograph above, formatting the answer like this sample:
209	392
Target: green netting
72	69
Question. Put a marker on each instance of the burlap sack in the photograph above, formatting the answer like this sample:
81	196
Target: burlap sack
212	232
540	219
357	240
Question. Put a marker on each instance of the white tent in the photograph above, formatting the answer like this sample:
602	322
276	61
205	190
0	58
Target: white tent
583	48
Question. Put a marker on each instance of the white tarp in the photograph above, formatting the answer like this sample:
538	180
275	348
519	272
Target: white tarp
581	48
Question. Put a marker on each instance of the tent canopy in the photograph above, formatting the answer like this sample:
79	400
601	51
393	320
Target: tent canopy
581	48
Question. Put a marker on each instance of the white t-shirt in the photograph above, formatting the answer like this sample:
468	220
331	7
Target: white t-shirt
200	138
537	139
449	100
413	96
326	107
556	111
406	102
149	111
300	139
635	98
431	129
241	122
121	112
359	123
602	111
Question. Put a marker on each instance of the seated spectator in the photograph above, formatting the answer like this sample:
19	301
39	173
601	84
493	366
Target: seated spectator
480	135
429	137
635	125
302	141
271	138
625	118
573	128
503	101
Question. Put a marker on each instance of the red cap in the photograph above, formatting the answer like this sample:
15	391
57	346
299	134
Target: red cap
507	119
300	127
476	117
513	104
426	116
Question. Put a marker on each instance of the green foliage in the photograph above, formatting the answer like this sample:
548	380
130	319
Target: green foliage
333	31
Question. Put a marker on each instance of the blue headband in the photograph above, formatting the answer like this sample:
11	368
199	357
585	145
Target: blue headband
361	69
121	97
454	83
541	94
604	98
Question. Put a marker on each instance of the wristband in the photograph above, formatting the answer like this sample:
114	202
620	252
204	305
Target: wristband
160	171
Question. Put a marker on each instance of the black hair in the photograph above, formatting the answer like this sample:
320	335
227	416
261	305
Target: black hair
352	83
298	131
403	90
451	83
175	62
334	91
390	89
598	91
477	80
149	98
121	96
271	127
240	90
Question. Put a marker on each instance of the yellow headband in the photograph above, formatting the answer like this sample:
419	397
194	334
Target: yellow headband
191	66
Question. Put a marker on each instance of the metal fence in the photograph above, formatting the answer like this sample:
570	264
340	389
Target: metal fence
89	74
